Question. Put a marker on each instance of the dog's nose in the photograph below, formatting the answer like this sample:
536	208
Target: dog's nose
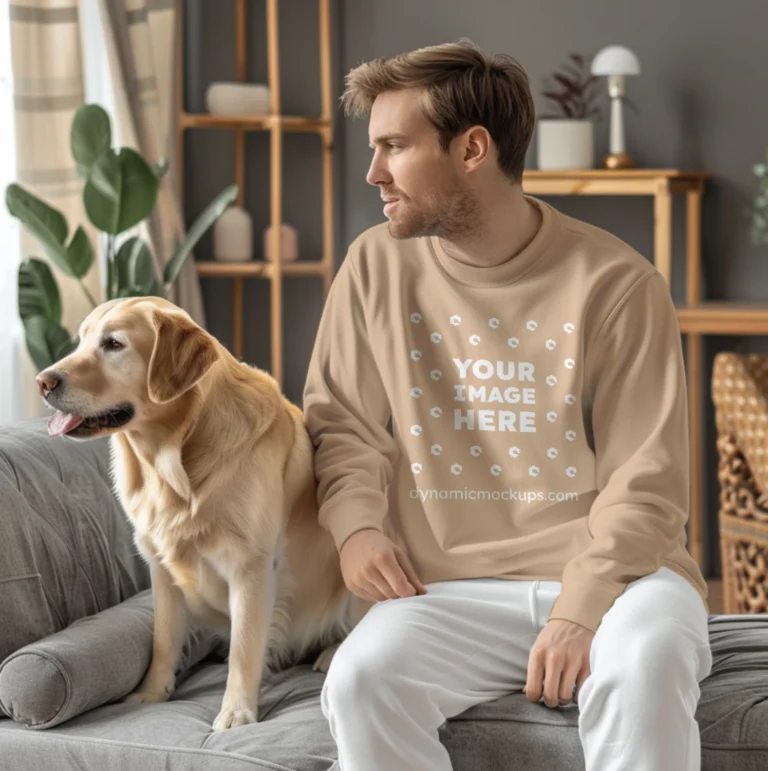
48	381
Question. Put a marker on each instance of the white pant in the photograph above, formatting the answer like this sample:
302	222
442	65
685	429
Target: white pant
413	662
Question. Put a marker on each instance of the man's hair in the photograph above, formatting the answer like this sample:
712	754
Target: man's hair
463	87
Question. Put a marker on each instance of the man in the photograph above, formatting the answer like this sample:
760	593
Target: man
497	401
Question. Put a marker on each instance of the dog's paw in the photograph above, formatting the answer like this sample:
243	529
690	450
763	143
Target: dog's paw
147	697
230	717
323	661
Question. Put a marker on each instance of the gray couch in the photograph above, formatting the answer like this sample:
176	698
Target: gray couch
75	635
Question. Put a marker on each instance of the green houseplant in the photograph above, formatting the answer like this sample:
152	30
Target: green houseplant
120	191
758	213
565	135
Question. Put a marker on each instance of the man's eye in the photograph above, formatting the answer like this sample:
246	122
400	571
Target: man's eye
111	344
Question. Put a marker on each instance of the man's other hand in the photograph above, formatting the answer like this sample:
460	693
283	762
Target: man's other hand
558	661
375	568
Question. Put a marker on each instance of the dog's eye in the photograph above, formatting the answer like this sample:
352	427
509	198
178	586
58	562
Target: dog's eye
111	344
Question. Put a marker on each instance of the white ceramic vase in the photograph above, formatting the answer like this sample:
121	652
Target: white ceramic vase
233	236
565	144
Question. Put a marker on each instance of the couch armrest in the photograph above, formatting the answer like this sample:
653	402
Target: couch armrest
97	660
66	546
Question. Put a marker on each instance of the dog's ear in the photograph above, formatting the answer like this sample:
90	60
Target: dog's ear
182	354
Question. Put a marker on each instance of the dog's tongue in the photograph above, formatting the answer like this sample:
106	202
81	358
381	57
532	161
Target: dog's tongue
62	423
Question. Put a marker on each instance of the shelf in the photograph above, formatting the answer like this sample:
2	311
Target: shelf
291	123
612	181
724	318
617	174
259	268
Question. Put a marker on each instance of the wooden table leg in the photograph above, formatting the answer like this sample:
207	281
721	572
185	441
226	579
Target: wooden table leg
693	245
695	375
662	221
695	388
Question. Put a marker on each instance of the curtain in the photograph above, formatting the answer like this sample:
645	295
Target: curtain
11	406
140	40
46	59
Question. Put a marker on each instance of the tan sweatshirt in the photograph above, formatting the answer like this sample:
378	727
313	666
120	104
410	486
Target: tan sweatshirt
538	412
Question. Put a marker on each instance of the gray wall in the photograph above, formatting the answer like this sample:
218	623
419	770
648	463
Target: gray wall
702	105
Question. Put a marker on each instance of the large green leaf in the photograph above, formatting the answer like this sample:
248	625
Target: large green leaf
44	222
47	342
207	217
135	269
50	228
80	253
89	137
38	291
120	192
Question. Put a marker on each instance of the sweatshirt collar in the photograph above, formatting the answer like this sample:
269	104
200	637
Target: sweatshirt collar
510	270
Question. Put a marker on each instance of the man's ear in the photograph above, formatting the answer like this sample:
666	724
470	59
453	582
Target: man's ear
182	354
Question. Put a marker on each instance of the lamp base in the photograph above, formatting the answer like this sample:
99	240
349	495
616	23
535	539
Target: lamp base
618	161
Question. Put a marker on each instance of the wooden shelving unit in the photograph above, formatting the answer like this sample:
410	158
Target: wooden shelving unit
696	318
276	124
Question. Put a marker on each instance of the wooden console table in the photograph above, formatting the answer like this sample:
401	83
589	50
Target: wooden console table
696	318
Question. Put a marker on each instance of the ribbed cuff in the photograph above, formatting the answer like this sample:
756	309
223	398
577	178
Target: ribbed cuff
345	517
585	602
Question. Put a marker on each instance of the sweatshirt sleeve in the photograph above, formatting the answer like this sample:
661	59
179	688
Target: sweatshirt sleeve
639	422
346	410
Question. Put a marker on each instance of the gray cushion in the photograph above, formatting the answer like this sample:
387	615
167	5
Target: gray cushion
66	547
503	735
96	660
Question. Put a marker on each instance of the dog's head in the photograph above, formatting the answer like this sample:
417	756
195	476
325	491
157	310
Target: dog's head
133	357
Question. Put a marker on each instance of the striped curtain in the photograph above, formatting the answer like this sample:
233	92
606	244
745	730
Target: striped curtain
140	39
47	90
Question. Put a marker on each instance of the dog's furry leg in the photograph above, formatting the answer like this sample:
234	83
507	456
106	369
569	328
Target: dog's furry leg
170	627
250	592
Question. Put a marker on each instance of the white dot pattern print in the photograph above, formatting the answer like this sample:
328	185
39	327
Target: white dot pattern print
474	403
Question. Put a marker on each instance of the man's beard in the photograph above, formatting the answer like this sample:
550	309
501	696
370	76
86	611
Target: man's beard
451	215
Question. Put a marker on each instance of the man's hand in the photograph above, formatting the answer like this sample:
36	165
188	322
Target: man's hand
376	568
559	659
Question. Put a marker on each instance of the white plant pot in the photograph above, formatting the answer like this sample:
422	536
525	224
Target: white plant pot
565	144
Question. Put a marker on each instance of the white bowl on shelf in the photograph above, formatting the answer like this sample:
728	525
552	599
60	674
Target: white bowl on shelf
238	99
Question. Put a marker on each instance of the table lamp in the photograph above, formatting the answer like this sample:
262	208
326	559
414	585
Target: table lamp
616	62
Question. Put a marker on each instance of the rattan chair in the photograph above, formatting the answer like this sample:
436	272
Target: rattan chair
740	395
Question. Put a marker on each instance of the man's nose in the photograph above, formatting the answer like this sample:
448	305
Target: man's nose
377	174
47	381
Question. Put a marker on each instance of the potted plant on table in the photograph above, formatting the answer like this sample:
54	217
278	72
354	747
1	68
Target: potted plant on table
758	212
566	133
120	191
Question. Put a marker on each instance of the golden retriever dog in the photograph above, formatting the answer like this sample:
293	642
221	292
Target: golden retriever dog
215	469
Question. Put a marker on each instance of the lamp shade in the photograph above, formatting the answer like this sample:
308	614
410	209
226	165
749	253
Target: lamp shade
615	60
